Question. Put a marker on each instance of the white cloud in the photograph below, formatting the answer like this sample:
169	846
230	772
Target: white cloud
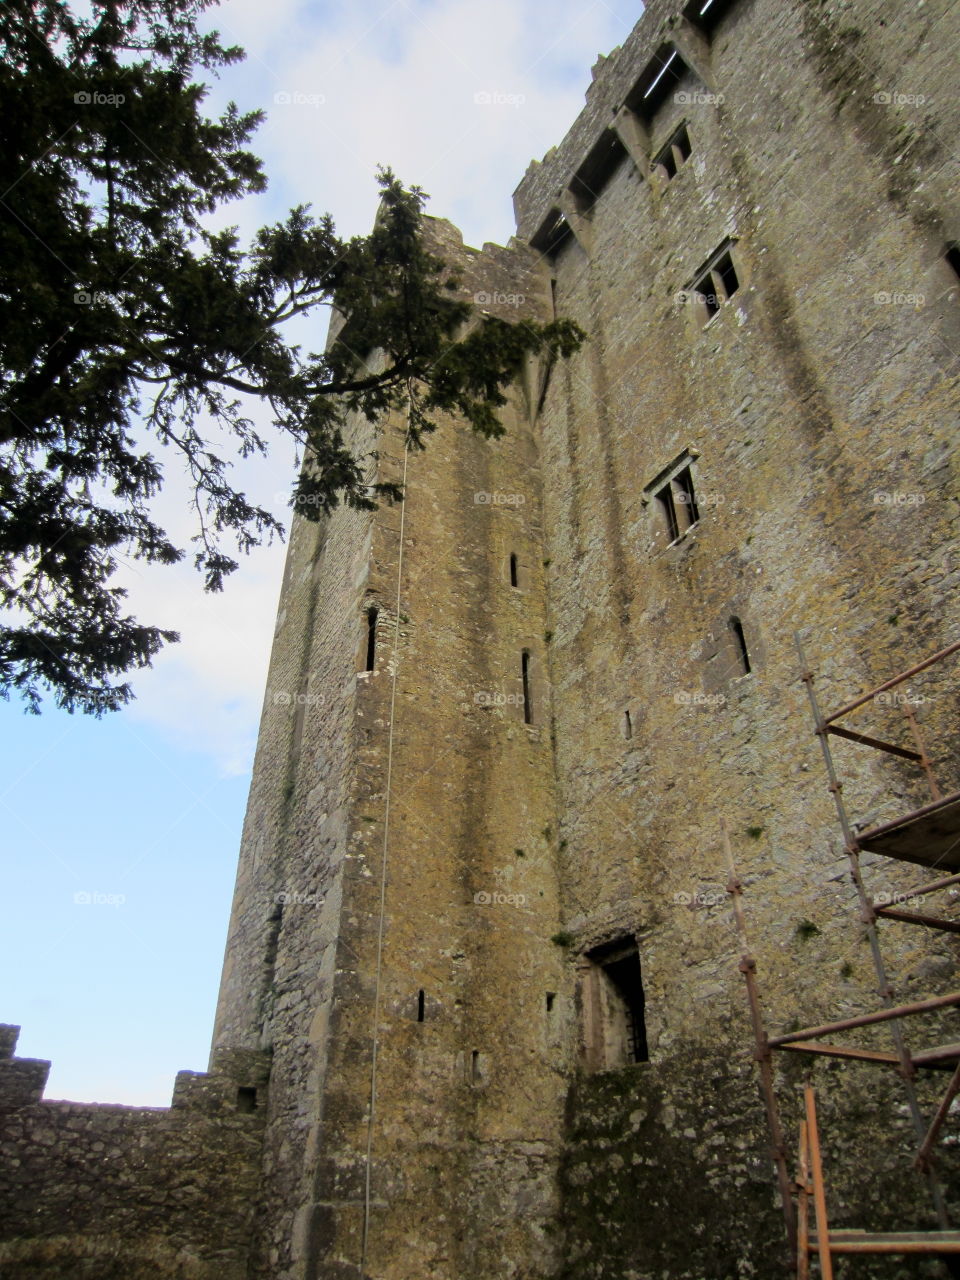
205	692
395	81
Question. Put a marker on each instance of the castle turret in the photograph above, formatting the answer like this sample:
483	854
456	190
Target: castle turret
397	889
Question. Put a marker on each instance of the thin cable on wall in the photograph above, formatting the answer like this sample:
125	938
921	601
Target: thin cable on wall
383	881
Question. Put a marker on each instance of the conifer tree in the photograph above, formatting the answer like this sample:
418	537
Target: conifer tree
126	324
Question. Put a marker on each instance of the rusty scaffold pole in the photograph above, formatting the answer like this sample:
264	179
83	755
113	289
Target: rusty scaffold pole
868	916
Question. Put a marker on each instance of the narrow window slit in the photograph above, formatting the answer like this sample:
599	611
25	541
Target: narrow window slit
527	701
514	581
475	1066
372	614
421	1005
551	997
627	725
736	626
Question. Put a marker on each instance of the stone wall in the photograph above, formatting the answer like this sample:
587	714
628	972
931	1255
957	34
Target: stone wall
816	411
129	1193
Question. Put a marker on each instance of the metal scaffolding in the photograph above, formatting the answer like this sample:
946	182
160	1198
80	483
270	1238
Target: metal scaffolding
929	836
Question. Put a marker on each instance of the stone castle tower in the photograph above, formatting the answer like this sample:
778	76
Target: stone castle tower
481	1014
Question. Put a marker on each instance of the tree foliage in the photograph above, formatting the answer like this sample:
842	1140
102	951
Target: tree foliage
124	321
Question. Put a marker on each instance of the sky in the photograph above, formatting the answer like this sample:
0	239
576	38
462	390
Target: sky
119	836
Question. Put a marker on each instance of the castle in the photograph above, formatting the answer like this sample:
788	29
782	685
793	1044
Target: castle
481	1015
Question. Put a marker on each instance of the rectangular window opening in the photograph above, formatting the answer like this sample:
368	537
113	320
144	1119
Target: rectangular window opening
674	503
554	232
706	14
246	1099
619	1022
602	162
421	1005
514	581
716	282
475	1066
551	997
658	80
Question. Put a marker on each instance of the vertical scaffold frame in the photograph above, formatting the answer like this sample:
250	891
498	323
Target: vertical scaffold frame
929	836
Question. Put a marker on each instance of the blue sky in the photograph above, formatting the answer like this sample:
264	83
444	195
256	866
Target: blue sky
120	836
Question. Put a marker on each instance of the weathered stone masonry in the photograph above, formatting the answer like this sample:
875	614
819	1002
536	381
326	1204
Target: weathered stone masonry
129	1193
582	659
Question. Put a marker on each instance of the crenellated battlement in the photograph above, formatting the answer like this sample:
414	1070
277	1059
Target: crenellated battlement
667	49
22	1080
108	1190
